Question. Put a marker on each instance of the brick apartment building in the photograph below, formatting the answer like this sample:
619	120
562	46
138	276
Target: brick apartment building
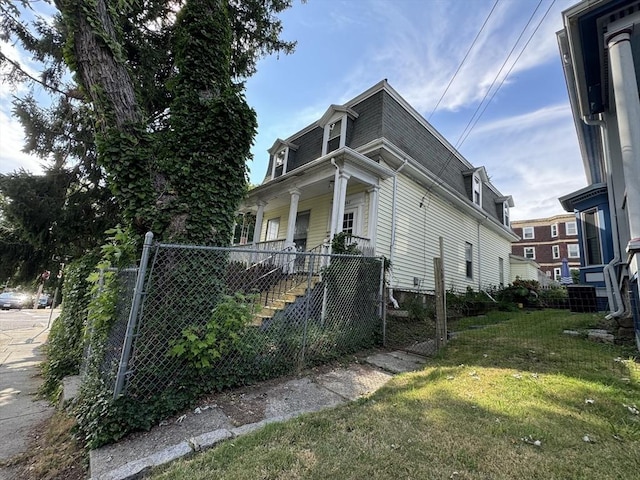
548	241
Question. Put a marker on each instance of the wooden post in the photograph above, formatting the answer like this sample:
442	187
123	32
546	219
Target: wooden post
441	299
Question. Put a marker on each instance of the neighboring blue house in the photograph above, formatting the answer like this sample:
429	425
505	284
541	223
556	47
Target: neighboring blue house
600	51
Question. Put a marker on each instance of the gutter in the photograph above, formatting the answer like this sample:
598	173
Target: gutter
392	248
610	277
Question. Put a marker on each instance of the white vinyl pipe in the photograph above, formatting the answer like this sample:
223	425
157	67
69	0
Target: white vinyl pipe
392	248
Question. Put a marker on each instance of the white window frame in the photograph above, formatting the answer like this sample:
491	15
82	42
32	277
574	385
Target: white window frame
557	274
284	161
328	128
532	250
576	250
585	240
554	230
476	190
468	260
555	249
505	214
273	229
573	228
528	229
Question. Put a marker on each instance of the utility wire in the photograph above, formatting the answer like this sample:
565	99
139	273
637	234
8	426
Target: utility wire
463	60
462	140
495	79
471	124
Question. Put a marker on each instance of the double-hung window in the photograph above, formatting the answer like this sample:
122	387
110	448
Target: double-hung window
505	214
591	238
530	252
556	251
273	225
477	189
573	250
468	257
570	228
528	233
554	230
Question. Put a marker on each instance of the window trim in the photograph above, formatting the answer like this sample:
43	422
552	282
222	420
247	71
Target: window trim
555	251
575	228
524	233
272	221
533	252
596	214
557	274
326	137
468	258
476	181
569	245
506	221
285	161
554	230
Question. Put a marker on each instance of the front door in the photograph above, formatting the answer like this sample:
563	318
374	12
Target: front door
301	231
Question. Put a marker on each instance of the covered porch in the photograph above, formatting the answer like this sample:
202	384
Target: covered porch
305	208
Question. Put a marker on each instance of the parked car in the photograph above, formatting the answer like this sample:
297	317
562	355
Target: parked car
17	300
45	300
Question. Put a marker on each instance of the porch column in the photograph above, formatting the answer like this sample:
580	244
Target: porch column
373	214
257	229
625	89
293	213
339	197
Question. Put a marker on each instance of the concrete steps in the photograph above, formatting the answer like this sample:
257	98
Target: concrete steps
280	301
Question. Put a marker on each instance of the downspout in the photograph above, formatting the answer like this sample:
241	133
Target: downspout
610	278
392	248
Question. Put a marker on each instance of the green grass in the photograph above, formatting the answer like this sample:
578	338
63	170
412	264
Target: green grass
471	413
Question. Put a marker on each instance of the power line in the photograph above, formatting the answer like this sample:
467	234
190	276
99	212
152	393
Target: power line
495	79
463	60
462	140
471	124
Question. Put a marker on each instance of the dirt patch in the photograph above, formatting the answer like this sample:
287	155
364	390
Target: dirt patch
53	453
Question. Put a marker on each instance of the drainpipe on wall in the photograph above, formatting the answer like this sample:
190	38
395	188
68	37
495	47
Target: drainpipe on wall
616	305
392	248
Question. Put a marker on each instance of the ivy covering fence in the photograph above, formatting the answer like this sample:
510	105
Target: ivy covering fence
203	319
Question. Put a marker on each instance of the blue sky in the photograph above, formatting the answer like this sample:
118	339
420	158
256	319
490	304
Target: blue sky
525	138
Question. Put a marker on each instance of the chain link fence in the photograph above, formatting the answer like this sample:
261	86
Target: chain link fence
301	309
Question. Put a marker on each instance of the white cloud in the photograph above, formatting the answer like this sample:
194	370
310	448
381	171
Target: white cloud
12	140
533	157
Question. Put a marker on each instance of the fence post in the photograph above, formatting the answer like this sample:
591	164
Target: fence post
382	309
441	314
133	315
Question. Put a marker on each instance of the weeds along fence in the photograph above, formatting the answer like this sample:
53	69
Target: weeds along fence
207	318
545	321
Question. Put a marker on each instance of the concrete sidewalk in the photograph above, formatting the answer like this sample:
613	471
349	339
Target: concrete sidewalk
235	413
20	354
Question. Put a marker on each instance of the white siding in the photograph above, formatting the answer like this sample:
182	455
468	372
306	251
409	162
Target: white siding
417	240
524	271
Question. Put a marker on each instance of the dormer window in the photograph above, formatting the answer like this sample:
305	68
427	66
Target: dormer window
335	135
282	157
280	162
505	214
334	122
477	190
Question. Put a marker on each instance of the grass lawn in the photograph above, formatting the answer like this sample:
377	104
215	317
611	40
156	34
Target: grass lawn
515	399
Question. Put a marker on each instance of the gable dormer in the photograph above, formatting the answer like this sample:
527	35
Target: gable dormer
335	123
503	204
475	179
280	156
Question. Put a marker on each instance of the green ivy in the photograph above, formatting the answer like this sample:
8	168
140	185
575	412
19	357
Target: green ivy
65	343
203	345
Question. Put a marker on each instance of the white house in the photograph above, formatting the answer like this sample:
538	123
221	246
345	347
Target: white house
375	169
